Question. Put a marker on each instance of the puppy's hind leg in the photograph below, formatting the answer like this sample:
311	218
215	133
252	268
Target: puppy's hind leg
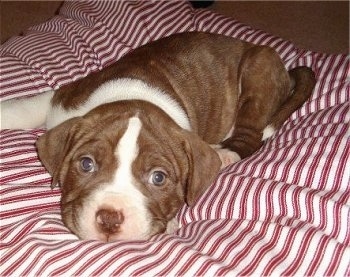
265	85
303	82
26	112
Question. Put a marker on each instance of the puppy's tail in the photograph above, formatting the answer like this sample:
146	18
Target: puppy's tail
303	81
26	112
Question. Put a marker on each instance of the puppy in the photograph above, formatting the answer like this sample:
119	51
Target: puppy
131	144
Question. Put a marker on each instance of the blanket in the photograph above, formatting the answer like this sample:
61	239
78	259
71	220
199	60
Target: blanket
283	211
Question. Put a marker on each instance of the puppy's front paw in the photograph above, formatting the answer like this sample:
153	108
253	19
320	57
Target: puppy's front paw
227	156
172	226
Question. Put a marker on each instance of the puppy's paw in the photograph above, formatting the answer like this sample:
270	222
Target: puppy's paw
172	226
268	132
227	156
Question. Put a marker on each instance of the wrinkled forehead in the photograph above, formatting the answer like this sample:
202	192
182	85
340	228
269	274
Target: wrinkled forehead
143	147
107	139
128	140
111	129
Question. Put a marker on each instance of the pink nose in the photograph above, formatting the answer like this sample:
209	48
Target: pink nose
109	220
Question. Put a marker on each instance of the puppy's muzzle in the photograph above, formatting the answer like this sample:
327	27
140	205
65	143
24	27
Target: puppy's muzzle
109	221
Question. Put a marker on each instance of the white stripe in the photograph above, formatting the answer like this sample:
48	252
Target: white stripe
123	89
126	152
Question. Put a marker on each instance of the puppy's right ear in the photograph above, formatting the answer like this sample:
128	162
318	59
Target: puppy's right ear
54	145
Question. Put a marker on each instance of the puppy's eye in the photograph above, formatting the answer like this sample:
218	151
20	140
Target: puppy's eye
87	164
157	178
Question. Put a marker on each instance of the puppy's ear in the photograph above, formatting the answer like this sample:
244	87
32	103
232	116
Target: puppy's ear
54	145
204	165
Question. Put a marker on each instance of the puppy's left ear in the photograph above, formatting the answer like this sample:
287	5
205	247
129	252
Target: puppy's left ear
204	166
54	145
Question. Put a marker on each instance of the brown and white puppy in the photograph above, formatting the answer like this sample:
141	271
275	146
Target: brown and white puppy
129	145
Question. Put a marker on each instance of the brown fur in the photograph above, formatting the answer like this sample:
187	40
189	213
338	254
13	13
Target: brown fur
202	72
220	82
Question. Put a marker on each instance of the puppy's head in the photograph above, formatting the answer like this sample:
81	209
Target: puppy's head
124	175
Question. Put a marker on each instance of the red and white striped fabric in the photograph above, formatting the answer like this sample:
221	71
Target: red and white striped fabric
283	211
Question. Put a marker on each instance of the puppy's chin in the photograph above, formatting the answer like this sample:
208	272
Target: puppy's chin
122	236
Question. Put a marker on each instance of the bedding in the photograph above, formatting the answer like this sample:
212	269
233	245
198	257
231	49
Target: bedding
284	211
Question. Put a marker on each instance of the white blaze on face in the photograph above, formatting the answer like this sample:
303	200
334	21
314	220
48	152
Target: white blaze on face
121	193
126	153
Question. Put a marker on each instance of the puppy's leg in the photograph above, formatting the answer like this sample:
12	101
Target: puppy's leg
265	85
303	80
226	156
26	112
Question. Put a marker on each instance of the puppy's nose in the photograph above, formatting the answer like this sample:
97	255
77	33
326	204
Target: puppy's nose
109	220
